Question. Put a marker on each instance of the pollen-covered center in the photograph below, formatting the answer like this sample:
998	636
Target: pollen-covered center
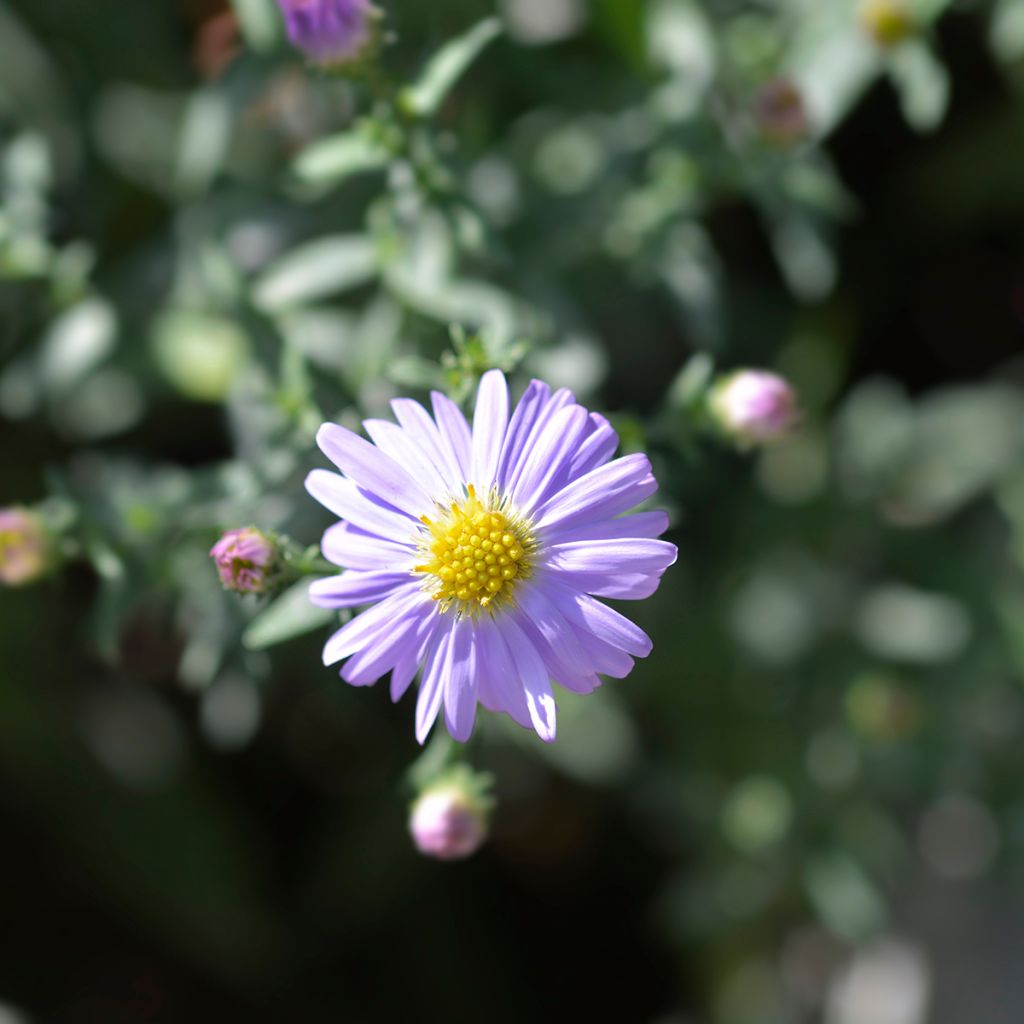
476	551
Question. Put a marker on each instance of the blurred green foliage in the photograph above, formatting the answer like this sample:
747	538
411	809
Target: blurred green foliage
207	249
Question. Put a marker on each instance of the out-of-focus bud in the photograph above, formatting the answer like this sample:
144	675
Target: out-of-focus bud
248	560
26	547
780	113
753	407
331	32
887	22
449	818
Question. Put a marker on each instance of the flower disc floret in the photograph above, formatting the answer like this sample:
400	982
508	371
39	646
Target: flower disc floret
477	552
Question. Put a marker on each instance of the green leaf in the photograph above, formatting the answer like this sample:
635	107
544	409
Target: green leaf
316	270
77	341
846	900
923	85
291	615
446	67
260	23
334	159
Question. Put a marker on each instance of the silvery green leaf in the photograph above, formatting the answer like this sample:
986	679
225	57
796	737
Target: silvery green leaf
203	140
338	157
1006	33
259	21
313	271
681	39
76	342
832	63
290	615
923	85
446	67
844	897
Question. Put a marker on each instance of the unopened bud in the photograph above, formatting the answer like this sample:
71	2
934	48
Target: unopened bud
26	547
780	113
247	560
449	818
331	32
753	407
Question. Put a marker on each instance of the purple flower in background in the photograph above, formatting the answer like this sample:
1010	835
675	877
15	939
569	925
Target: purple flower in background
780	113
330	32
483	551
24	547
246	559
753	406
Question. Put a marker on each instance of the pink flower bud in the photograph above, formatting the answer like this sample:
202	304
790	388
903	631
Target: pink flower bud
753	406
25	547
780	113
330	32
448	822
247	560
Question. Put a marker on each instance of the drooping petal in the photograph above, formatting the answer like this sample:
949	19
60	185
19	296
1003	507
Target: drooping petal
373	625
533	676
592	616
352	548
350	502
602	493
490	421
372	469
409	663
367	666
460	684
606	658
499	688
435	668
624	587
554	638
354	588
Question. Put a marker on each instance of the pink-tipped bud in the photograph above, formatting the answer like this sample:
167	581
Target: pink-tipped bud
449	820
26	547
887	22
331	32
247	560
780	113
753	407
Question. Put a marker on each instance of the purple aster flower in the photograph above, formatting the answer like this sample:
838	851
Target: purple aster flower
330	32
25	547
483	551
753	406
246	560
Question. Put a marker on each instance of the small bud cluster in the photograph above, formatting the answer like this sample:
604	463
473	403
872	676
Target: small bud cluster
248	560
449	817
780	113
26	547
753	407
331	33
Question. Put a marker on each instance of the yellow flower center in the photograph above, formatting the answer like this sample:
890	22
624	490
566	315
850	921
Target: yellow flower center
475	551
